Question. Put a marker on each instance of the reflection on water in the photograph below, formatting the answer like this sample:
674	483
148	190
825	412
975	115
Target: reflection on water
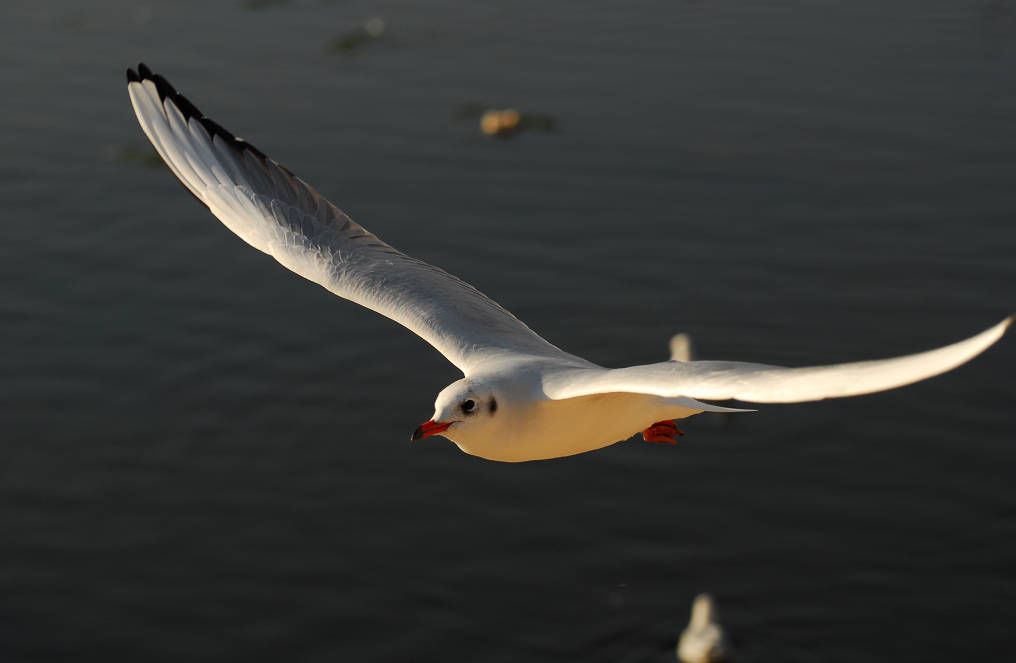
135	154
353	40
263	4
205	457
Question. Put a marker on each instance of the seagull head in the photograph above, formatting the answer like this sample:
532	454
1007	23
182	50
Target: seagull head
462	408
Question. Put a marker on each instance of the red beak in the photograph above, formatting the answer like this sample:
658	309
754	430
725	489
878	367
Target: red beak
430	428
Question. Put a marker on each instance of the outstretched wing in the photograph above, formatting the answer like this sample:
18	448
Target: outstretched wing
759	383
278	213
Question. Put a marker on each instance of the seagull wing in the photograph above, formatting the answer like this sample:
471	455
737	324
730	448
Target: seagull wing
759	383
278	213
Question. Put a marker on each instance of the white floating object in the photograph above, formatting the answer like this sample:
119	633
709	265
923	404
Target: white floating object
703	641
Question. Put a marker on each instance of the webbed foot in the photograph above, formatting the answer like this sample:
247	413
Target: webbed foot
662	432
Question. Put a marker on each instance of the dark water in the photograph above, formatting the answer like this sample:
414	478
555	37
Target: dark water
205	458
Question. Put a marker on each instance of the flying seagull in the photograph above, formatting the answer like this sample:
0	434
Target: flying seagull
521	398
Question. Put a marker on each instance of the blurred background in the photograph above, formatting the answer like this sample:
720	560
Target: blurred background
206	458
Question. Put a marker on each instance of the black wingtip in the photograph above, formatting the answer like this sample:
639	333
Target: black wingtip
240	142
189	110
216	129
165	90
163	87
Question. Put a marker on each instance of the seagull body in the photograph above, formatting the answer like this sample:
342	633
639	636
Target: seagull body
522	398
519	421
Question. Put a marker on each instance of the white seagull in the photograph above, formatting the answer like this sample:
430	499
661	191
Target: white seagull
703	641
521	398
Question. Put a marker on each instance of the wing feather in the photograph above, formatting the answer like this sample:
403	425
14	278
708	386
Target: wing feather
278	213
760	383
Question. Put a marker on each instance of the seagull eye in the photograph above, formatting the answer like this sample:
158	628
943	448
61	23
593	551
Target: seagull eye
467	406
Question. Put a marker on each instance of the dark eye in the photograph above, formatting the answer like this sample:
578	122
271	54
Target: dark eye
467	406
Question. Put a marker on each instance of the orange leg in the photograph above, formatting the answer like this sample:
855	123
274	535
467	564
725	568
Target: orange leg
662	432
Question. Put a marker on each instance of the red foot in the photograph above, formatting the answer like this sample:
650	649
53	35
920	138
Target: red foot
662	432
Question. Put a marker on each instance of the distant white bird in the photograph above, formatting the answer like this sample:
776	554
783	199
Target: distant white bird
521	398
703	641
680	347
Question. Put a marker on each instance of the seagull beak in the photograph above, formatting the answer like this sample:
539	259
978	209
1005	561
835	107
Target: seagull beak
430	428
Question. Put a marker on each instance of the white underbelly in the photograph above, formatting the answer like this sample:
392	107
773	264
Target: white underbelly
566	427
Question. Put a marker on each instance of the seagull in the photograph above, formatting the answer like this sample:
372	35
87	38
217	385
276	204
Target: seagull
703	641
680	347
520	397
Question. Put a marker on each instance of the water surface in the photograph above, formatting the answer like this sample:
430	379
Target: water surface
206	458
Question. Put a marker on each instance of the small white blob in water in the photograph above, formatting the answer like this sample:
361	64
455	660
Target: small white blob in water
703	641
375	27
